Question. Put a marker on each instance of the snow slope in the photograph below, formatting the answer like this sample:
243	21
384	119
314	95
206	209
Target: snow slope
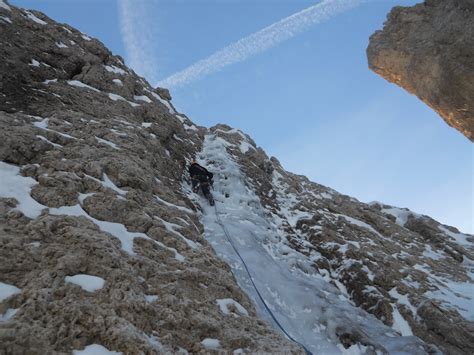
312	310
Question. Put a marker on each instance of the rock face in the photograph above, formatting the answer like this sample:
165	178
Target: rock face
102	243
428	49
106	154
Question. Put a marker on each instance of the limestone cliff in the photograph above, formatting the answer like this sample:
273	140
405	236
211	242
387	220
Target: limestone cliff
104	246
428	50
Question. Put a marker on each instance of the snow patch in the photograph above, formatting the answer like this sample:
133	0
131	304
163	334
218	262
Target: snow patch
43	124
34	63
80	84
431	254
403	299
85	37
360	224
117	82
3	5
151	298
109	183
19	187
46	82
460	238
95	349
116	229
61	45
48	141
116	97
142	98
106	142
224	304
33	18
9	314
171	227
164	102
7	290
401	215
114	69
6	19
210	343
88	283
245	146
399	323
184	209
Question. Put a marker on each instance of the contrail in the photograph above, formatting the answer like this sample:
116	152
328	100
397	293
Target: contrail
260	41
138	37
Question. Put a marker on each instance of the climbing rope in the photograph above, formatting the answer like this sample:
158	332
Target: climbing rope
219	221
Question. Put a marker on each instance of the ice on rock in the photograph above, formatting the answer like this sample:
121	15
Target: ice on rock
306	304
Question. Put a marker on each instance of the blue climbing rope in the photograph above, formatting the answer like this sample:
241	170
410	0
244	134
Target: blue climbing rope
219	221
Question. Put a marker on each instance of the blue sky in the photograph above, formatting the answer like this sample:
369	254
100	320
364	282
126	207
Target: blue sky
310	101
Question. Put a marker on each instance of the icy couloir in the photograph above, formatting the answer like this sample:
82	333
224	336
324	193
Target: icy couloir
313	311
408	270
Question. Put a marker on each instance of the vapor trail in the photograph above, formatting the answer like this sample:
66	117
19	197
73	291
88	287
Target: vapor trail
260	41
138	37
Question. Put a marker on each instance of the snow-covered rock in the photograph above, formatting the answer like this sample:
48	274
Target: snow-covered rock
94	183
88	283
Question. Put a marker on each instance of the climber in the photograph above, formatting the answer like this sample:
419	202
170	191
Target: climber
200	177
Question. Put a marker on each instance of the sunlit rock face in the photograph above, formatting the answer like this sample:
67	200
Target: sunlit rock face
104	247
428	50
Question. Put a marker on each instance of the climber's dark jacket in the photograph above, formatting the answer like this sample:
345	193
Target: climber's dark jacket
199	174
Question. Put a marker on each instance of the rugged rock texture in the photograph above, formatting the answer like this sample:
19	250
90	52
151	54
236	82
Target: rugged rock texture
97	160
428	49
118	159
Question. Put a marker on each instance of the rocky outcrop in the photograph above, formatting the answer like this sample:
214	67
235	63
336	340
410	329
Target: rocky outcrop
103	245
106	154
428	49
